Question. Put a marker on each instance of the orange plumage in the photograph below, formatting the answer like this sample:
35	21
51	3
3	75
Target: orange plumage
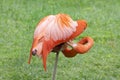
55	30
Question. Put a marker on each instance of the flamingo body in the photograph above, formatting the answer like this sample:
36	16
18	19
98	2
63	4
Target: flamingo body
55	30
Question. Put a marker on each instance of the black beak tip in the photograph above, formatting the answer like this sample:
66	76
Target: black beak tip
34	52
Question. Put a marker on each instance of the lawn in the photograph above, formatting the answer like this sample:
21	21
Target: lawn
18	19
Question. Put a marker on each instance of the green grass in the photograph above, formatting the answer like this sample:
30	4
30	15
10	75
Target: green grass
18	19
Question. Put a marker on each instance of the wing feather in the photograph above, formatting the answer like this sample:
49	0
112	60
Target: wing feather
56	27
60	29
51	29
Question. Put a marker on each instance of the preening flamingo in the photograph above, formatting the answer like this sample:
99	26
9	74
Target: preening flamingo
55	33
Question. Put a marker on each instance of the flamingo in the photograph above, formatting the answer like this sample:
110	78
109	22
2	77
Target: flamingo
55	33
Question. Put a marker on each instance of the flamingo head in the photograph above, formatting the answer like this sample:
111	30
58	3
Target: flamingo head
36	47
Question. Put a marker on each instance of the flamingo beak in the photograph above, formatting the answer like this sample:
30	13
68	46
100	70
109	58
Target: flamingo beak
34	52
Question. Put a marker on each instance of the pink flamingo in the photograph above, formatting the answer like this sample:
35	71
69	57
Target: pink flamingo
55	33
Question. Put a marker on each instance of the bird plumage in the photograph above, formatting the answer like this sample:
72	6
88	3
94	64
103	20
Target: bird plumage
54	30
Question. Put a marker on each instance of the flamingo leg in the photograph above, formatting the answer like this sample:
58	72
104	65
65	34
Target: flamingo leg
55	66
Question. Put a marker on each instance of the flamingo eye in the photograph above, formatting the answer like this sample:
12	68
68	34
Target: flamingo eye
40	40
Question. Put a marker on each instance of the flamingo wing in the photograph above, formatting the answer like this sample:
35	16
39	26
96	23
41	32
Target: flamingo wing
52	31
